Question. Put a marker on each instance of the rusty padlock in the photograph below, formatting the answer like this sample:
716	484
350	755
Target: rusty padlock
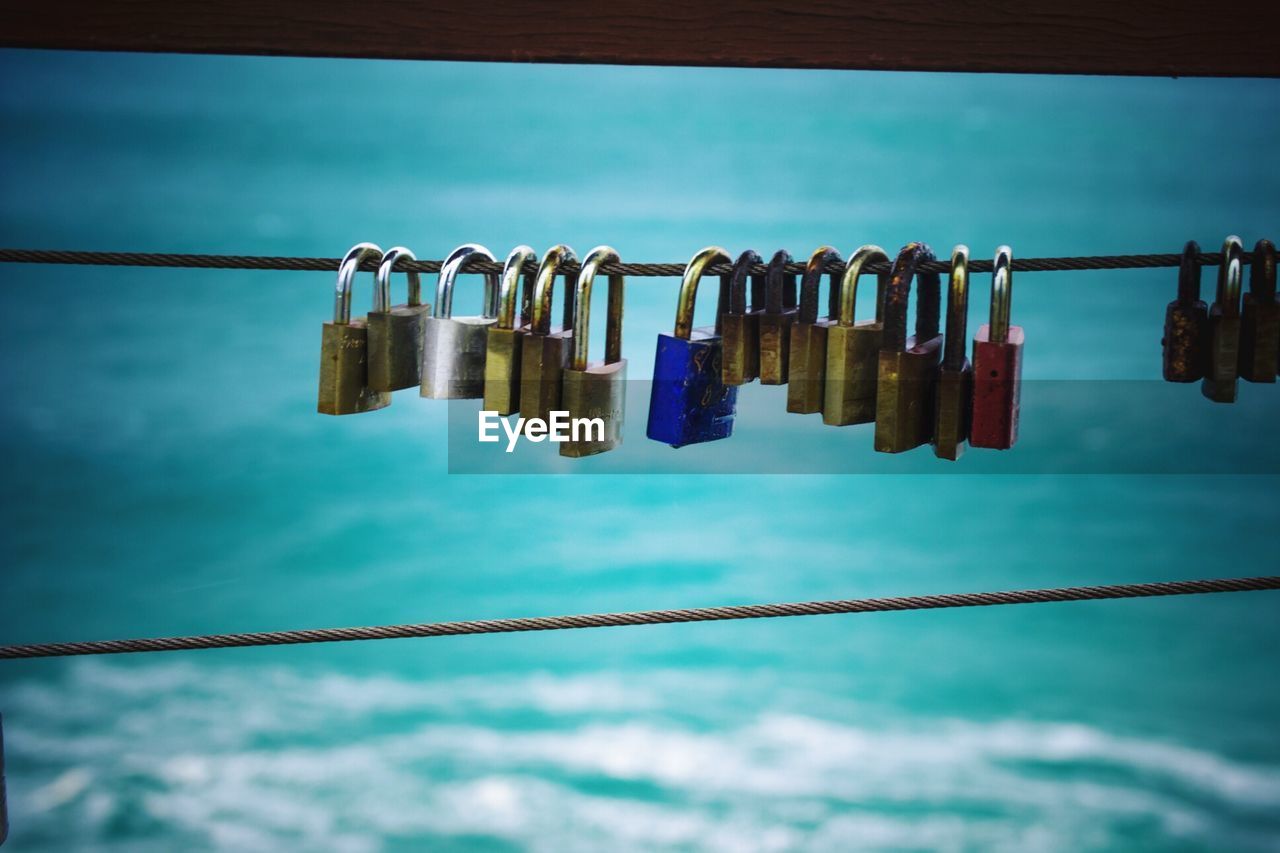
807	372
1186	322
505	338
853	348
344	347
908	380
740	325
776	319
546	349
955	379
1260	318
396	331
1222	365
997	365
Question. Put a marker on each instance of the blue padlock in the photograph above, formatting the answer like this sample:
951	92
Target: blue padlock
690	402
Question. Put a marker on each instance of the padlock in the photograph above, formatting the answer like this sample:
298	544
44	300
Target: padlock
344	347
776	319
955	378
997	365
853	349
1186	322
807	371
545	349
505	338
907	385
740	325
453	348
596	390
1222	364
1260	318
689	402
395	332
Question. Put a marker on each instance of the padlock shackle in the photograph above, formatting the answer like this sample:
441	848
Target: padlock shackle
737	302
849	283
1230	276
1189	274
449	270
347	269
813	272
596	258
956	344
382	280
509	283
779	287
1001	296
1262	277
552	260
898	295
689	289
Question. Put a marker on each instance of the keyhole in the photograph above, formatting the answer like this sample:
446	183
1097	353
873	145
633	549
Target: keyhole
994	374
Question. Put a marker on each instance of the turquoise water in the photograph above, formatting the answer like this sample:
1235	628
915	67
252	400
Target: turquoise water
167	473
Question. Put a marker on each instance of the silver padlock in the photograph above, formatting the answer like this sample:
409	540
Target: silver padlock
453	348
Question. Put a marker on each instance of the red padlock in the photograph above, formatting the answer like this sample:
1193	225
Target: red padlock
997	365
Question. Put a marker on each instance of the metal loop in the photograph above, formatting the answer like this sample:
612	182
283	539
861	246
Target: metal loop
1230	276
509	283
1189	274
818	262
689	288
1262	277
1001	296
382	280
849	283
956	343
898	294
449	270
347	269
779	287
737	303
596	258
554	258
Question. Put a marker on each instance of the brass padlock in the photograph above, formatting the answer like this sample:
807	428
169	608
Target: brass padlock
545	350
505	338
907	385
807	372
776	319
1260	318
955	379
853	349
1186	322
596	390
395	331
453	348
740	325
344	347
1223	358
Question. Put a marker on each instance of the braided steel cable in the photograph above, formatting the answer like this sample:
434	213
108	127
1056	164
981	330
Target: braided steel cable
273	262
646	617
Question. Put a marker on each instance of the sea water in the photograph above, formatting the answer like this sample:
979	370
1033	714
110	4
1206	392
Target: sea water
166	473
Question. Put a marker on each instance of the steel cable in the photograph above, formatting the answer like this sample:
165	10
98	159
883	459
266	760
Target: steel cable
646	617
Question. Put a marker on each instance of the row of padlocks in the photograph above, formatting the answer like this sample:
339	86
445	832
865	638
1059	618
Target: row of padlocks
1238	337
916	389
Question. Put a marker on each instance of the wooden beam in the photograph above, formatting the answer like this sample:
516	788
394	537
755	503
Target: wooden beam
1176	38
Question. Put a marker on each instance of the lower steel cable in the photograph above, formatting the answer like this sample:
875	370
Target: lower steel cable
645	617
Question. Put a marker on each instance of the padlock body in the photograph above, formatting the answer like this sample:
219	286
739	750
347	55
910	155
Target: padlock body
689	402
951	427
344	371
740	337
775	347
1259	339
597	392
997	389
543	359
1185	340
395	347
453	350
906	393
806	377
1222	365
502	370
853	363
